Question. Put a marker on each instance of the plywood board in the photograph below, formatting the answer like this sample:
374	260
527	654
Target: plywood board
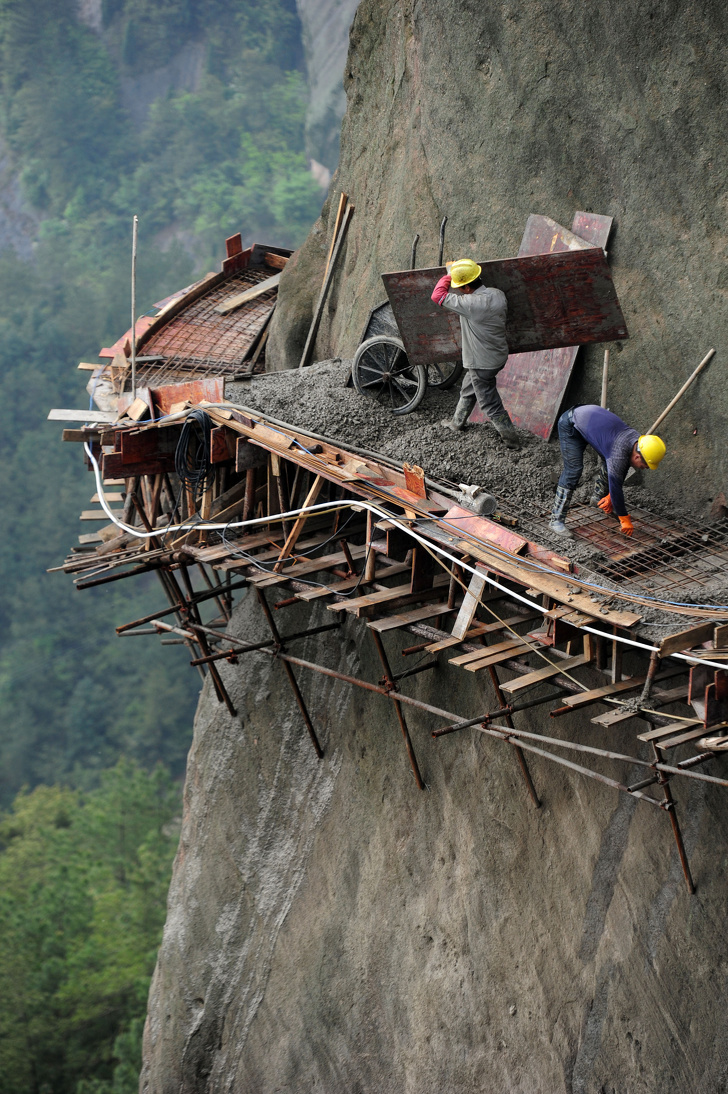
533	384
554	300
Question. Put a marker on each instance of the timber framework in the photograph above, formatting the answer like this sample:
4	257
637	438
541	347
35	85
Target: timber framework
299	519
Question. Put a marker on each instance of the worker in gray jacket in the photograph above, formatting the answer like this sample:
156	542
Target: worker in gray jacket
483	313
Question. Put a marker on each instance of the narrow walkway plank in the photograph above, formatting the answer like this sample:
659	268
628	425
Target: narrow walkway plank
513	686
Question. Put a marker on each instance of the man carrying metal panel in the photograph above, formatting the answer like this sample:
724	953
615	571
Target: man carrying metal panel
619	446
483	313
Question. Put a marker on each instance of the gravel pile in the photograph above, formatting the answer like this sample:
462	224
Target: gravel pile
318	399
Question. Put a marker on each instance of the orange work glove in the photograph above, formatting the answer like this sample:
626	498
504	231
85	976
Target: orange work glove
606	505
626	526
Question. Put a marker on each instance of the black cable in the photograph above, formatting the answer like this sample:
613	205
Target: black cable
192	462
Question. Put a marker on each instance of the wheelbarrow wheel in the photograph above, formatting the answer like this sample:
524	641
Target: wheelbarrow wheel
444	374
382	371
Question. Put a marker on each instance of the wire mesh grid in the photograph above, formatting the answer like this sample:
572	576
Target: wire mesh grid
199	341
661	556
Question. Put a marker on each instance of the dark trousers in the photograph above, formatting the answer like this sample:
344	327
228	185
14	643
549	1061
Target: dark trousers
572	446
480	382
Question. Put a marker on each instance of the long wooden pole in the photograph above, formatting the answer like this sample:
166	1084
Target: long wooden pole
343	199
682	391
135	225
318	312
605	380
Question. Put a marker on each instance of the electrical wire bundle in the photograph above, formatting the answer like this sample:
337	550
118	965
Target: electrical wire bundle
192	461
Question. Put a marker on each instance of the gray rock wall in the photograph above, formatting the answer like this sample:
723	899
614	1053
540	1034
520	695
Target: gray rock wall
488	112
332	928
325	26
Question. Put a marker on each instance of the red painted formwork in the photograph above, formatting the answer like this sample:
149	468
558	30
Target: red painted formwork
532	385
557	299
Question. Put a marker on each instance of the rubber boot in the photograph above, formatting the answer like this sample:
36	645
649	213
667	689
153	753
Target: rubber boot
459	420
562	501
504	428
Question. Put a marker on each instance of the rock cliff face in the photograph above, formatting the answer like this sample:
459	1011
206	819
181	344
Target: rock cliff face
325	25
331	928
486	113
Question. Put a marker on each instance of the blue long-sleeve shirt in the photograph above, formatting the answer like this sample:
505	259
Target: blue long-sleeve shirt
614	440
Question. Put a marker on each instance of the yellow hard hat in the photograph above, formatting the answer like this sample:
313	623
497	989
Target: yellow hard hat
651	449
464	271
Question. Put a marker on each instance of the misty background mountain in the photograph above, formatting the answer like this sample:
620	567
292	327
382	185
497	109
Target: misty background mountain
200	117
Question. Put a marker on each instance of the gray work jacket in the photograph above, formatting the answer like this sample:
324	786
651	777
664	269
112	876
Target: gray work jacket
483	325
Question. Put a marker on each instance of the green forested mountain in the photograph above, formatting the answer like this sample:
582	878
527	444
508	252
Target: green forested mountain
93	146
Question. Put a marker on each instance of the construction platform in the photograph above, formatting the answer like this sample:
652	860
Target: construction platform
301	520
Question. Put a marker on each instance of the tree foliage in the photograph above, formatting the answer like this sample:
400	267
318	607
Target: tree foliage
83	881
84	864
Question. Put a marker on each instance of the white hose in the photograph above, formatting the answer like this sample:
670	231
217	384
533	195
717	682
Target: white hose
358	503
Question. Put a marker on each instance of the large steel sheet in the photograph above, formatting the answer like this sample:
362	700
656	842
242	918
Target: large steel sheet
532	385
554	300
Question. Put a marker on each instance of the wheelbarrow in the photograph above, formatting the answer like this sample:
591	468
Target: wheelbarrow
381	369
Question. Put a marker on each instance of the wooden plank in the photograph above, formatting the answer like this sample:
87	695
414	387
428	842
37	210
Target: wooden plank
496	658
109	498
253	293
616	717
685	640
486	651
222	444
673	728
690	735
514	686
105	416
278	262
311	566
295	531
482	628
608	690
464	522
545	583
403	619
99	514
720	635
400	594
79	436
468	606
211	389
328	277
349	583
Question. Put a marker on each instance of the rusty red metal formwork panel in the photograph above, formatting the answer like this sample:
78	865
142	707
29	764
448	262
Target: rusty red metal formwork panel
556	299
532	385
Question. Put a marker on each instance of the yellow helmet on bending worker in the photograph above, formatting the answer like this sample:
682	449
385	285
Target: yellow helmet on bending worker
651	448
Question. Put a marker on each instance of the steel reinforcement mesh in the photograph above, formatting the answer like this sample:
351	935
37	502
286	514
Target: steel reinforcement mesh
201	342
661	557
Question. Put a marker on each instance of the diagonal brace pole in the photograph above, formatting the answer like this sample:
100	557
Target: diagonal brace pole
398	707
289	673
519	751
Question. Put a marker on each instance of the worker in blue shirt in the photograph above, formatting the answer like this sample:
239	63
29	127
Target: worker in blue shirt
619	448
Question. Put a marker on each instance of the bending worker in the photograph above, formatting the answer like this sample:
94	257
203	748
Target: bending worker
482	314
619	447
